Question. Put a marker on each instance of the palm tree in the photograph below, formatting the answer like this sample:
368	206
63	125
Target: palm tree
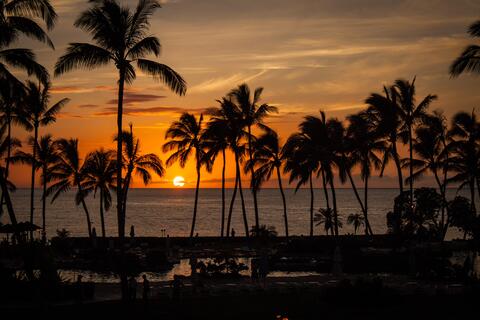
18	18
34	113
216	142
228	120
186	139
385	114
469	60
99	176
138	164
120	37
363	146
410	114
430	144
326	218
253	115
69	173
357	220
267	159
7	144
465	135
46	158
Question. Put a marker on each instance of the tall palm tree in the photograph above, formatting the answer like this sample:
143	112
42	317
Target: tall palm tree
185	140
7	144
364	145
216	142
228	120
18	18
121	37
411	114
267	159
385	113
137	163
253	115
465	146
430	145
69	173
100	176
35	112
45	159
469	60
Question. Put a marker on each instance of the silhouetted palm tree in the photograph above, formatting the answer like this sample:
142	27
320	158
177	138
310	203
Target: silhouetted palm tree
7	144
17	18
469	60
216	142
364	145
100	176
385	113
138	164
46	158
228	119
33	113
465	146
185	140
430	145
267	159
253	115
69	173
326	218
357	220
410	113
121	37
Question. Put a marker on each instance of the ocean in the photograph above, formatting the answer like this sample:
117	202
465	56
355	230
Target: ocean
158	212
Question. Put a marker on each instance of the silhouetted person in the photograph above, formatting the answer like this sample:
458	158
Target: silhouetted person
146	289
132	288
233	233
254	270
132	231
94	238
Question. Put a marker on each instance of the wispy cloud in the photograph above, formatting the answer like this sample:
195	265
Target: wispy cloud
109	111
77	89
133	98
225	82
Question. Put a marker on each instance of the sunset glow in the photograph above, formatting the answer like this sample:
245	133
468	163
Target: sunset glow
179	181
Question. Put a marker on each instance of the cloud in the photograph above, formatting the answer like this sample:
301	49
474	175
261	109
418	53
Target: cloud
88	106
77	89
108	111
133	98
225	82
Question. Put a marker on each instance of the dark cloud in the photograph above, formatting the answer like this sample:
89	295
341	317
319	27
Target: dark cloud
108	111
88	106
131	98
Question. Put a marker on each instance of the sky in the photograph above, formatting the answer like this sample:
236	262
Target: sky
308	55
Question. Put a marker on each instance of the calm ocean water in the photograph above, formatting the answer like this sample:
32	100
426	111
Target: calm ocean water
151	210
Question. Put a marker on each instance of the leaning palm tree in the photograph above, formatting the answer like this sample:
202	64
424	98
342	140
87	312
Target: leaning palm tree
357	220
185	140
33	113
216	142
18	18
7	144
384	110
137	163
45	159
364	145
267	159
69	173
253	115
121	37
99	176
411	114
469	59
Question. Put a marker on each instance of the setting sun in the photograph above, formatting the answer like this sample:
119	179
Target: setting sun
178	181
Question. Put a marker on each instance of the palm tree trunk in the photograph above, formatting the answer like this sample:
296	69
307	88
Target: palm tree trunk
311	204
232	202
102	217
8	203
280	186
411	162
254	191
398	165
244	212
9	153
120	213
44	204
194	218
325	189
355	191
472	195
32	190
368	228
440	187
85	209
222	231
126	188
334	199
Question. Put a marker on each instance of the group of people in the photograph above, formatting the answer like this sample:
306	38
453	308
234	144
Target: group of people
132	288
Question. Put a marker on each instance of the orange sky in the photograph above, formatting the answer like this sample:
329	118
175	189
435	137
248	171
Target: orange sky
307	54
